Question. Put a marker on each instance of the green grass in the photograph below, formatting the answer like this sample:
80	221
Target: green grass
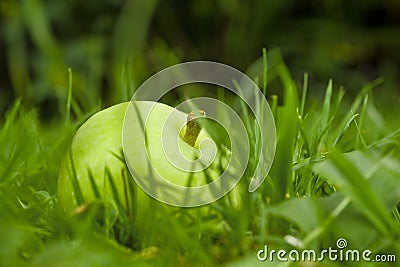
335	175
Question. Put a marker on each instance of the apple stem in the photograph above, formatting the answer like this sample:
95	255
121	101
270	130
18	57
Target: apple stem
193	128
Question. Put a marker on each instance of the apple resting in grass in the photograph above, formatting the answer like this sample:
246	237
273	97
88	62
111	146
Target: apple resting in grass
96	156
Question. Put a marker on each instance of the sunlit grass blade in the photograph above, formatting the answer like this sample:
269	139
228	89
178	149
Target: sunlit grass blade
93	185
343	128
345	122
265	78
343	170
80	200
303	95
11	117
281	171
326	107
69	98
274	106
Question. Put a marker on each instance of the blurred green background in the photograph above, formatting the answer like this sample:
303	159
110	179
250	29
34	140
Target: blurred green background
112	46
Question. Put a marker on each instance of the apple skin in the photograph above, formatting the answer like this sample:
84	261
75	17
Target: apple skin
94	149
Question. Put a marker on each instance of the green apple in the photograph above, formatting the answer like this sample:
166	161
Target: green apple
95	160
